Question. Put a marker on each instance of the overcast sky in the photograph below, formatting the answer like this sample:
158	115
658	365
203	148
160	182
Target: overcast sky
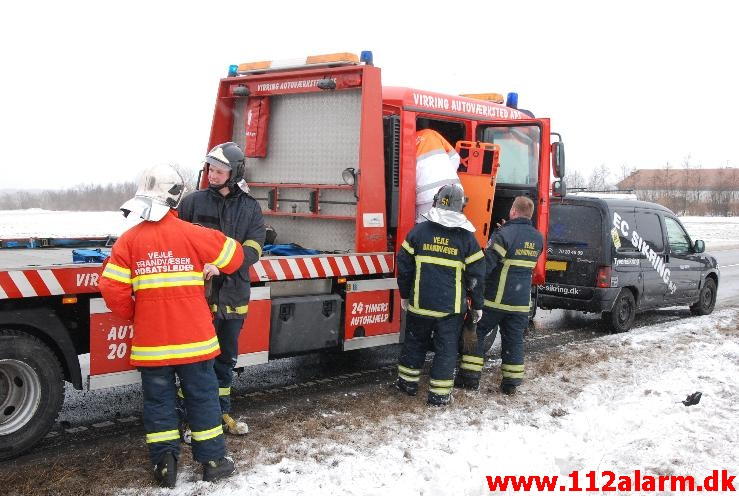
92	92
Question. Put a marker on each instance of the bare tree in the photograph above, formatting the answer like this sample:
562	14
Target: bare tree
598	180
574	179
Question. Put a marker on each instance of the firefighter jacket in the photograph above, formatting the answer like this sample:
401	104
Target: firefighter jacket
436	165
161	263
438	267
238	216
510	259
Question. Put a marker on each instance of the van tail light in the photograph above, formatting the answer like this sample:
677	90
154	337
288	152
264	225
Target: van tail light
603	279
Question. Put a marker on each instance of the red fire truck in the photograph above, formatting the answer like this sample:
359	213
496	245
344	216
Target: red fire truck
331	159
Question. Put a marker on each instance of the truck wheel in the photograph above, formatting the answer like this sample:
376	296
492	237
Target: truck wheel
706	299
31	392
621	318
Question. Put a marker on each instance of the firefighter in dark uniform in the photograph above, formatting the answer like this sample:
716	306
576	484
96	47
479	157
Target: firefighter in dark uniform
227	207
510	260
440	263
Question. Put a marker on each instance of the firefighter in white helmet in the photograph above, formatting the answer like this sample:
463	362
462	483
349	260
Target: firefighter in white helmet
163	262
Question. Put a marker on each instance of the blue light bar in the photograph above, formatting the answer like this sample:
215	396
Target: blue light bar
366	57
512	100
233	70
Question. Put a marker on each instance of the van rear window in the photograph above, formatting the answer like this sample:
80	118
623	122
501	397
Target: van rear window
575	225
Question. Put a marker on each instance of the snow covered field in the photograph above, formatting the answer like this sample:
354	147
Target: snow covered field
613	404
718	232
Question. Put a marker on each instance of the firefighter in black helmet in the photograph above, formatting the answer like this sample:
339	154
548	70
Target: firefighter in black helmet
227	206
440	264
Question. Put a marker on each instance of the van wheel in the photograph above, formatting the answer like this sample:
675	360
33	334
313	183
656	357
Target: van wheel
621	318
31	392
706	299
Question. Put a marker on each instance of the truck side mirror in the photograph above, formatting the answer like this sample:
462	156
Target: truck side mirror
699	246
559	189
558	159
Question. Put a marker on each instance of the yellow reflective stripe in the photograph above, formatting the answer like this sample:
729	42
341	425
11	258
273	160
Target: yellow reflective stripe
144	353
512	371
470	367
440	261
158	437
408	378
473	359
253	244
441	382
180	393
209	434
428	313
224	391
214	308
227	253
167	280
458	290
117	273
408	248
441	386
501	251
510	308
521	263
501	282
474	257
240	310
455	264
408	370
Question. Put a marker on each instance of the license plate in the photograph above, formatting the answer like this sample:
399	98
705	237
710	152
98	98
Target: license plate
556	265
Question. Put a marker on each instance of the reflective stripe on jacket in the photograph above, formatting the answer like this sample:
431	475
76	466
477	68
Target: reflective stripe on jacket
438	267
238	216
511	257
162	264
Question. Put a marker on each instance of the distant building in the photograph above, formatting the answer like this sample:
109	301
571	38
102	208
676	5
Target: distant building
688	191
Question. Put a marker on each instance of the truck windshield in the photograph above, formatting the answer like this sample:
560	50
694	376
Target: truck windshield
519	152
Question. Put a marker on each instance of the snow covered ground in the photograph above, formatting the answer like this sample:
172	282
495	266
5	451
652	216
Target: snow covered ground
613	404
718	232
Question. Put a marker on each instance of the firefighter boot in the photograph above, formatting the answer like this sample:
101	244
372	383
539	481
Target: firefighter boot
235	427
407	387
218	469
439	399
467	380
165	472
509	389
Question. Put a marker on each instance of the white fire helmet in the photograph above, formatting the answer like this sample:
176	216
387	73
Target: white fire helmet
160	188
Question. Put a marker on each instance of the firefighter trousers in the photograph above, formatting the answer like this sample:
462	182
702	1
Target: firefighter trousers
424	334
198	381
228	331
512	326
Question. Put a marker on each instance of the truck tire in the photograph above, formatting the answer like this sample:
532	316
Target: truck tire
621	317
31	392
706	299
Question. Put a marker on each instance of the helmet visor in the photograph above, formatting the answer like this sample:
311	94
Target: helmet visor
145	208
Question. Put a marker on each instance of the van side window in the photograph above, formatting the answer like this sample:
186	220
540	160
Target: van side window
650	229
627	225
676	235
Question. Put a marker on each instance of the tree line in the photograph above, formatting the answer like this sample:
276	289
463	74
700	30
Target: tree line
688	195
83	197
